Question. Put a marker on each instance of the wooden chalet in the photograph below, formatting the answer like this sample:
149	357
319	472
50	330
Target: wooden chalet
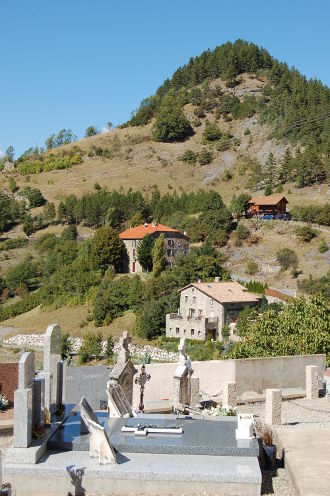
272	204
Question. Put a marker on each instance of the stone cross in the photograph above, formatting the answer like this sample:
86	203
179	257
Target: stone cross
312	382
273	406
23	400
124	342
229	398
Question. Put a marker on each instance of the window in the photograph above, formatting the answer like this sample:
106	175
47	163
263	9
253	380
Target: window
177	330
170	253
191	312
200	312
170	242
199	333
184	331
194	299
186	298
192	332
211	301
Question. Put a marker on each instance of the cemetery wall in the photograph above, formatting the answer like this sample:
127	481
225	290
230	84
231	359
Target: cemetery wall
9	380
250	374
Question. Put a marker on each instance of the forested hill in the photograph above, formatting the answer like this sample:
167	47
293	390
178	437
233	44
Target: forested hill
297	108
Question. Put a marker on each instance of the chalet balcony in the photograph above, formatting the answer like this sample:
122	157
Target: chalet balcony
175	316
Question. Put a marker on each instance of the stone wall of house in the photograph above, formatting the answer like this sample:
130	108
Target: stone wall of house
9	380
204	306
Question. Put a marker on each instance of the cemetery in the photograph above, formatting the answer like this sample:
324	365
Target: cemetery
162	428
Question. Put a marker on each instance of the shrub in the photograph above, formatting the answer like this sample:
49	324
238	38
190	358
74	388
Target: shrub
199	112
34	196
66	346
242	232
268	190
11	244
189	156
91	131
22	273
211	132
306	233
287	258
91	345
70	233
251	268
247	131
12	185
312	213
109	347
171	125
323	246
205	157
227	175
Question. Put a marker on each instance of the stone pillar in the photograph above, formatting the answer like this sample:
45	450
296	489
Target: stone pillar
312	382
23	398
229	397
38	402
196	396
273	406
52	355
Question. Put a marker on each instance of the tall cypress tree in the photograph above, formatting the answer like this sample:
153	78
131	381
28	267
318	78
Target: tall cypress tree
158	257
144	252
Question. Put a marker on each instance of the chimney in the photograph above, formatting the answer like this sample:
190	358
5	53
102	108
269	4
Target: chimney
217	279
145	224
154	223
185	233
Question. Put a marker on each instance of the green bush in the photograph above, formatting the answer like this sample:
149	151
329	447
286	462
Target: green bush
247	131
189	156
91	346
323	246
205	157
306	233
109	347
199	112
318	285
66	346
211	132
251	268
34	196
312	213
287	258
171	125
49	162
25	305
23	273
11	244
242	232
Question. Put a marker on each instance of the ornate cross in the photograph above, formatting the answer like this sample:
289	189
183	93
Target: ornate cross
142	379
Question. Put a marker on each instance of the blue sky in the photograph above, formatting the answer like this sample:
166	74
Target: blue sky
70	64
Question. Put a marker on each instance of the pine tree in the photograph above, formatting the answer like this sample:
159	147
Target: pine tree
61	212
158	257
144	252
270	170
286	168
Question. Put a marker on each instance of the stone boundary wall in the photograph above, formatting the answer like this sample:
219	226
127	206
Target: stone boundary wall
9	380
250	374
37	341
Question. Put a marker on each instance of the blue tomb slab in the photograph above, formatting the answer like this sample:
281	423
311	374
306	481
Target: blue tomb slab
199	437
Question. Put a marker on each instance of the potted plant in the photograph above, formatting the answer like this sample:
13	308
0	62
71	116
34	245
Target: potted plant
269	449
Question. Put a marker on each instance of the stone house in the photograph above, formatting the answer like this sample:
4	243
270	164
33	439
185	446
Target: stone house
205	307
175	242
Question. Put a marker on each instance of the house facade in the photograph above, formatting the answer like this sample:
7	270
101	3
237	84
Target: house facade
175	243
205	308
272	204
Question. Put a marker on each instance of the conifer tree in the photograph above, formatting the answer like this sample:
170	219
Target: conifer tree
144	252
158	257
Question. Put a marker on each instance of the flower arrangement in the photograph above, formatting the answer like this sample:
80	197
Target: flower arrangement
265	432
224	411
3	402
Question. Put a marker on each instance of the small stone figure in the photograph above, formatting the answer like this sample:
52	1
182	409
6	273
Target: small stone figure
142	379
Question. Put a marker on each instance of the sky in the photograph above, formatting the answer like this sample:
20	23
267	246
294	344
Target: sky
74	63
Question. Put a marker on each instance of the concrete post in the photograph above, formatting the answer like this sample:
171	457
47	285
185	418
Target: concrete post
312	382
273	406
229	397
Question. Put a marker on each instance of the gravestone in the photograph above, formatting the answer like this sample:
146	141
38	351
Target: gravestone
90	382
229	398
23	400
52	356
86	413
100	444
38	412
124	370
312	382
196	396
118	404
182	379
273	406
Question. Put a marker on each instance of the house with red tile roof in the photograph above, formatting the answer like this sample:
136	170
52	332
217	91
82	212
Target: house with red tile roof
205	307
175	242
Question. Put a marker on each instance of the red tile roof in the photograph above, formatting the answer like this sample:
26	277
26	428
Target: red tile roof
139	232
267	200
225	292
